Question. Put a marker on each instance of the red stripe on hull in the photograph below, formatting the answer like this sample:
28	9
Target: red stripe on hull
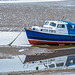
39	42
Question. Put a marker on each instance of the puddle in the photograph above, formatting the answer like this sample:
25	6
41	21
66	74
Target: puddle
7	37
21	50
12	65
17	64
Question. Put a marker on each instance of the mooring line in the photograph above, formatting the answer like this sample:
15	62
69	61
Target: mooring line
14	39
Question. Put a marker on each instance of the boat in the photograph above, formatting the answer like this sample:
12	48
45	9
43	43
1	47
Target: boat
55	63
52	32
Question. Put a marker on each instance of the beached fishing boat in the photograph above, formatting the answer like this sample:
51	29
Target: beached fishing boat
52	32
38	63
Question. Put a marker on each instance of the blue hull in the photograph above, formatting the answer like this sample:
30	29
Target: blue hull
35	37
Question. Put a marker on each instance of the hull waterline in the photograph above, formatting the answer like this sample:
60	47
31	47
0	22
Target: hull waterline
38	42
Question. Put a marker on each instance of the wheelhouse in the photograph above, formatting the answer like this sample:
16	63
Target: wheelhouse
56	27
53	27
54	24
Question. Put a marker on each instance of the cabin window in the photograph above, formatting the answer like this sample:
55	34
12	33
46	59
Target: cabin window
71	62
44	30
52	31
59	64
51	60
52	65
72	27
52	24
60	26
46	23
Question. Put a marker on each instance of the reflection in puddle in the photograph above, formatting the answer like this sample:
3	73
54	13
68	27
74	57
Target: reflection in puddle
25	63
56	63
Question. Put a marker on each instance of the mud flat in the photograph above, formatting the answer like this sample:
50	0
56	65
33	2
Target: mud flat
60	72
16	16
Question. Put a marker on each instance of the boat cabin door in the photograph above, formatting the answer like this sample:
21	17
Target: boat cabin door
71	29
61	29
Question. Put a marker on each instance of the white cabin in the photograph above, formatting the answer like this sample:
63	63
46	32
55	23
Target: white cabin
53	27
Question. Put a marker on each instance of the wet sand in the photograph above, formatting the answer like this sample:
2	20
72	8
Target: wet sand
14	17
13	50
61	72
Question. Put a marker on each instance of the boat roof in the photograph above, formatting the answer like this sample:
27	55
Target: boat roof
70	23
62	22
58	22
